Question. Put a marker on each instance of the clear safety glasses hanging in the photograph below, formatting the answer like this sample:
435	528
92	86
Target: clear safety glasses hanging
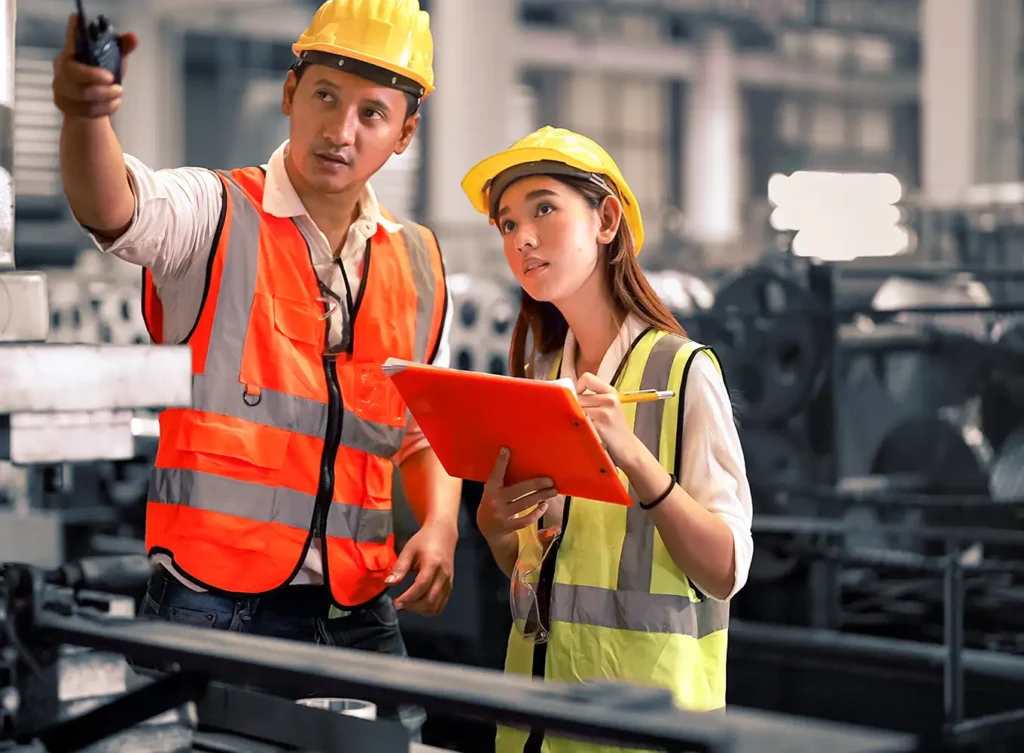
529	594
338	315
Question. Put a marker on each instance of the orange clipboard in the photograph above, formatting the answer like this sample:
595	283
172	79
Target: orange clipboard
469	416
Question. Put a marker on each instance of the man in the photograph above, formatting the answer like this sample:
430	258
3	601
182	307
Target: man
270	504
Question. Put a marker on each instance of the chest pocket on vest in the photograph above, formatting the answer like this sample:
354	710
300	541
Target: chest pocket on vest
284	347
370	394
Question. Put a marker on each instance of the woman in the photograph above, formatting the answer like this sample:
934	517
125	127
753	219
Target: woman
637	594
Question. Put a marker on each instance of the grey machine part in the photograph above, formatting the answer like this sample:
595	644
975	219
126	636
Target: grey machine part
63	404
60	403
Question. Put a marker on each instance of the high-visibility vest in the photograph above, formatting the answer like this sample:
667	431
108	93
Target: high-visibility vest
620	608
282	444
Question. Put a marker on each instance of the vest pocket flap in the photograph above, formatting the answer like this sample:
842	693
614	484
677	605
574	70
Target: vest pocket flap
299	320
210	434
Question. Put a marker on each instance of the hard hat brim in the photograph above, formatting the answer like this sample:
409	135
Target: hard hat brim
428	86
506	178
477	182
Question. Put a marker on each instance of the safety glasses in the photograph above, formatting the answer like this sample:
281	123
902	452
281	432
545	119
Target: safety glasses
337	313
529	592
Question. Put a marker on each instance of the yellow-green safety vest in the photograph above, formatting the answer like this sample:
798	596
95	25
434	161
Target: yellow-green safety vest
620	608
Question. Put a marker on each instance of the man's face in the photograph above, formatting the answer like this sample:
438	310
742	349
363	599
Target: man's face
343	128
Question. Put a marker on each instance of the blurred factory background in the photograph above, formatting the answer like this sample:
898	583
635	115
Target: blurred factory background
833	198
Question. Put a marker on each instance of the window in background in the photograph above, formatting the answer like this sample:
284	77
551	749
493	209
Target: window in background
873	54
639	29
590	22
792	44
791	121
522	116
828	48
36	125
873	129
828	126
262	127
628	116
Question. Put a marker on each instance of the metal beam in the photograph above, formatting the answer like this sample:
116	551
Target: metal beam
271	21
565	50
74	378
7	26
643	717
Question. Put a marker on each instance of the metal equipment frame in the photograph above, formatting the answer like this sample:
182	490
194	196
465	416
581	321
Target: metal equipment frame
957	731
37	618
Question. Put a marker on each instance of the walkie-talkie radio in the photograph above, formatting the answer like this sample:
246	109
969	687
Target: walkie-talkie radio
96	43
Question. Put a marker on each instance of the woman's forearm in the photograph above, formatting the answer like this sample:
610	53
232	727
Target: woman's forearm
505	550
699	541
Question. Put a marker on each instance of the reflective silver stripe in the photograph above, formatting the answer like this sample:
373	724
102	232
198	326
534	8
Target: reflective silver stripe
376	439
217	389
278	410
635	610
234	299
632	606
296	414
636	562
423	277
265	504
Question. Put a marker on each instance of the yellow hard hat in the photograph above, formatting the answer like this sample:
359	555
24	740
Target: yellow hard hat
552	151
370	37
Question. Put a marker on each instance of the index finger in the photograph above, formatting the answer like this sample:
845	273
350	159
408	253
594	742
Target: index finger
434	601
497	476
70	32
594	399
419	587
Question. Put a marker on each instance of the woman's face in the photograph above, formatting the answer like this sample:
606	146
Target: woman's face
552	236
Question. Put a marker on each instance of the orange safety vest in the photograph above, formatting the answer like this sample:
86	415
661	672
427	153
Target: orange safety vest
282	444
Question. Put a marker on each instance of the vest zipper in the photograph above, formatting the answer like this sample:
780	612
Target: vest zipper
353	306
332	441
335	420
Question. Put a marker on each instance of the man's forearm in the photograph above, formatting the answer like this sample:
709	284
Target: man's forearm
94	175
433	496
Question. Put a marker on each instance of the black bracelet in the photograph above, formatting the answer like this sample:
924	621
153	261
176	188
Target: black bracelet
662	498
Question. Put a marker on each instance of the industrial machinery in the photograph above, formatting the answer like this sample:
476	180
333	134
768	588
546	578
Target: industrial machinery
64	403
882	415
863	426
885	541
859	434
43	611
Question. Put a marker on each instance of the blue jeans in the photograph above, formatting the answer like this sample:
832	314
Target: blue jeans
297	613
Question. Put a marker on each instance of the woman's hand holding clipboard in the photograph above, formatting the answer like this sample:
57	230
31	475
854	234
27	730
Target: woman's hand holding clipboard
469	417
507	509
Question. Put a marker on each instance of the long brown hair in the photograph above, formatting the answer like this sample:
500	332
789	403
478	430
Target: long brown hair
628	287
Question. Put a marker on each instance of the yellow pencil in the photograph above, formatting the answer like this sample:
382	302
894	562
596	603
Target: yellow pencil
645	396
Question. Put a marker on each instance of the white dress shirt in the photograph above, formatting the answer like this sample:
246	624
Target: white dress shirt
713	470
176	216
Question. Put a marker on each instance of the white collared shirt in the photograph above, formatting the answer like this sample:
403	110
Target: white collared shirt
713	470
176	216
